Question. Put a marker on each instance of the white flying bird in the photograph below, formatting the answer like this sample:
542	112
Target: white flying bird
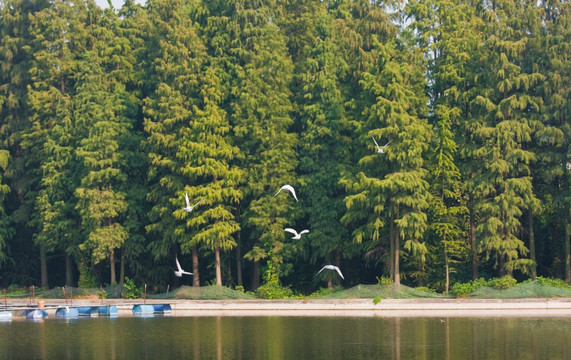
331	267
289	188
380	150
180	272
296	235
189	208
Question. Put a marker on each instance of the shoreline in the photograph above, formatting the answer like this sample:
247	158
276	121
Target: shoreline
526	307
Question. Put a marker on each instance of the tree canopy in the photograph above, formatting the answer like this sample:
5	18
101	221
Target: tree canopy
427	141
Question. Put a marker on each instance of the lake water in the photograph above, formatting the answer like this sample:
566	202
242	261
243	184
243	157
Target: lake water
287	338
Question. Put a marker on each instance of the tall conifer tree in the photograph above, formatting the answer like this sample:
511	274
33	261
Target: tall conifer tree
259	107
506	112
324	144
390	192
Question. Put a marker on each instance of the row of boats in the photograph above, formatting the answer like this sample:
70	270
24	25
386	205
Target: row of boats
67	312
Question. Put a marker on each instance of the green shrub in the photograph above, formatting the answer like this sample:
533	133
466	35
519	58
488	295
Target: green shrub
383	280
102	294
86	279
17	290
130	290
272	289
321	292
502	283
377	300
239	288
464	289
557	283
427	289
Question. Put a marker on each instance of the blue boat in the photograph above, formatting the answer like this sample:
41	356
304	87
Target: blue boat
107	310
35	314
88	311
142	310
5	315
67	312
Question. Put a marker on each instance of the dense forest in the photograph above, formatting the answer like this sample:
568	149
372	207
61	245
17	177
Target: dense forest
110	118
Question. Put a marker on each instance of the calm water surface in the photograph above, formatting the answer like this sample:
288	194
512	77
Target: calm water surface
287	338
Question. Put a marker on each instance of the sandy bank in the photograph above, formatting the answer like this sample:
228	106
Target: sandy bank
337	307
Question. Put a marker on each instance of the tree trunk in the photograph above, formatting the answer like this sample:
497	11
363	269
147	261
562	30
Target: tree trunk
255	275
330	278
217	264
112	263
397	255
502	264
567	249
68	271
239	280
391	249
473	240
195	276
122	268
447	268
44	267
532	246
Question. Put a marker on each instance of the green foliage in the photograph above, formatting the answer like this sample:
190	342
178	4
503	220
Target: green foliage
505	282
239	288
271	287
130	289
425	288
462	290
377	300
109	118
556	283
323	292
385	281
102	294
86	279
17	290
465	289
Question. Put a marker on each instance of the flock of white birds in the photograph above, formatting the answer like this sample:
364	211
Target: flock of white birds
188	208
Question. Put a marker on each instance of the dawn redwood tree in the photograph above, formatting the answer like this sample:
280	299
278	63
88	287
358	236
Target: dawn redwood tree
59	38
6	230
257	101
507	114
324	144
389	195
554	140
